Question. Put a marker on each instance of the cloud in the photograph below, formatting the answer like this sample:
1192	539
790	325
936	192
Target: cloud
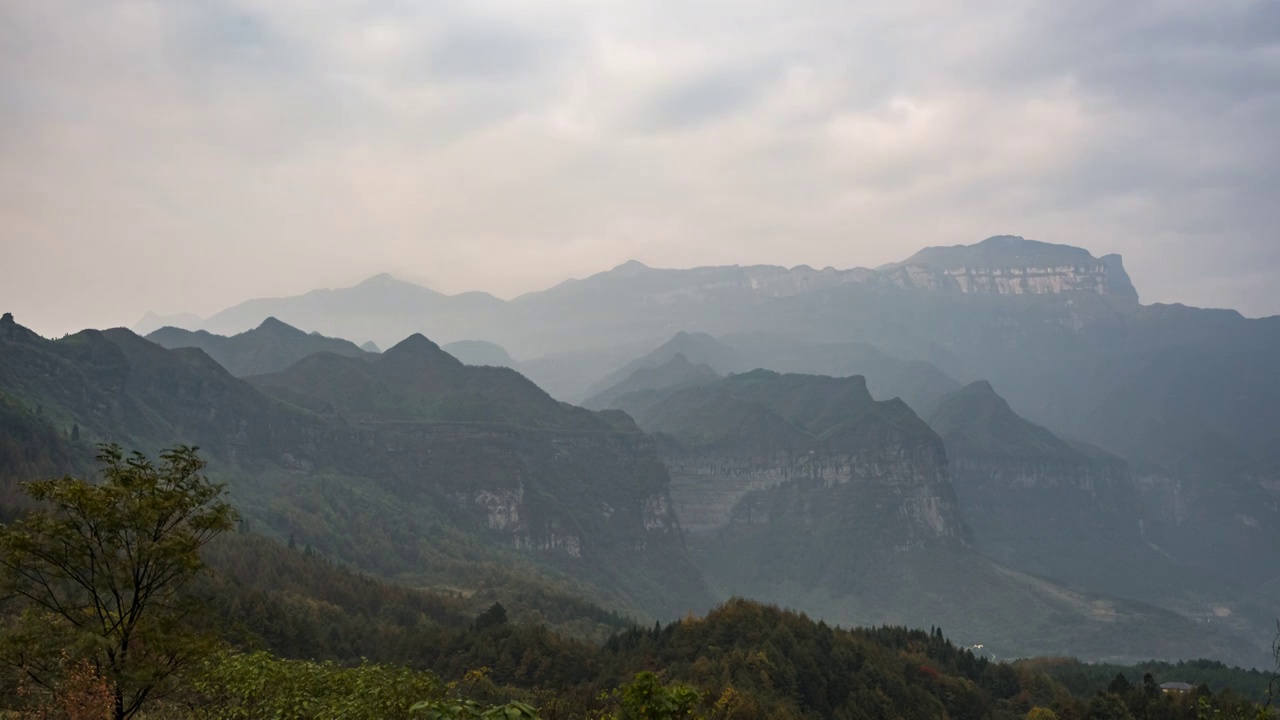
186	155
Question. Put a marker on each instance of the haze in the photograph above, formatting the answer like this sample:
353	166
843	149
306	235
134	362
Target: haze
186	156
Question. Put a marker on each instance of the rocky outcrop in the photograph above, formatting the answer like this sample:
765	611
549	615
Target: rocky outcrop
901	490
801	478
1042	505
557	493
1000	265
1011	265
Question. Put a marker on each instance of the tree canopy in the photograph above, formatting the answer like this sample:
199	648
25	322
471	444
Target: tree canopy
96	573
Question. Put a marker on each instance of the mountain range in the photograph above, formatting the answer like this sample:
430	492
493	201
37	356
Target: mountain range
407	463
792	488
1185	395
803	490
269	347
1127	466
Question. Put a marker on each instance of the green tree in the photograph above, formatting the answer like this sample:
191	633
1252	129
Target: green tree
1120	685
646	698
97	573
1107	707
494	616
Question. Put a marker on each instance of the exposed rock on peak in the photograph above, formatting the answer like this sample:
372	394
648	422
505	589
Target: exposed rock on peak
1012	265
10	330
792	483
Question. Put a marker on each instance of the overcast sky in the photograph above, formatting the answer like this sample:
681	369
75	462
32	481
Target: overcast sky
184	155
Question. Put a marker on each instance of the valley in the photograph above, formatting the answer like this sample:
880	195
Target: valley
807	468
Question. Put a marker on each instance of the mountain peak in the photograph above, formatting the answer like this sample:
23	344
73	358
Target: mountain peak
386	282
274	325
1008	241
978	419
379	279
152	321
1001	251
978	398
980	388
418	346
12	331
630	267
1014	265
480	352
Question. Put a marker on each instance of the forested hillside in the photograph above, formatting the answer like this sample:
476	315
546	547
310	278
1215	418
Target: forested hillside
408	463
271	631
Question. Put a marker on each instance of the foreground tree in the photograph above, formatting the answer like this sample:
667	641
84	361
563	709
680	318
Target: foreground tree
97	574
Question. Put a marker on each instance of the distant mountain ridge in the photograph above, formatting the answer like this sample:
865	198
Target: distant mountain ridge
1019	266
150	322
1008	264
382	308
416	380
1185	396
480	352
674	374
270	347
918	383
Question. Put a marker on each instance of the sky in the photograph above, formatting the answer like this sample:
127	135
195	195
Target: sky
185	155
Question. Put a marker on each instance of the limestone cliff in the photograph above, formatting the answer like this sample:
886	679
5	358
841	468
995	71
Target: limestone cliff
1046	506
1011	265
802	478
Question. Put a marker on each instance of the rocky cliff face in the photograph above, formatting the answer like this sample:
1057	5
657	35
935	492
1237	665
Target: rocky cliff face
802	479
1042	280
1000	265
1010	265
1074	521
901	489
617	485
1045	506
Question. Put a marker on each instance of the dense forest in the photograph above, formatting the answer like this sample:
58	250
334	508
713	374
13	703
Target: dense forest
139	596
